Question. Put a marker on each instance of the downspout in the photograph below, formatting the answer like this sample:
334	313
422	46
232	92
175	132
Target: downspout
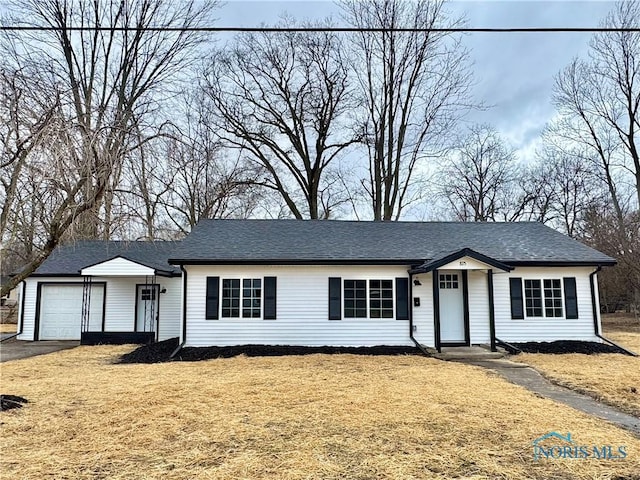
21	317
596	314
417	343
184	313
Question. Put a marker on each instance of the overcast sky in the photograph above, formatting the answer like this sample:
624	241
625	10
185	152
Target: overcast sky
514	71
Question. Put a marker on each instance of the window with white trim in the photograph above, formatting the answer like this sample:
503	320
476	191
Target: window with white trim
230	298
533	298
552	297
355	299
249	296
368	299
543	298
381	298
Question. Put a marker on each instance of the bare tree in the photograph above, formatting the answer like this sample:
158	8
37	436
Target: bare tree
24	120
620	285
109	81
413	86
478	178
280	99
560	188
599	101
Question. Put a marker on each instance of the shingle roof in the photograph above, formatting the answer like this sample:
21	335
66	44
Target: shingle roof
70	259
318	241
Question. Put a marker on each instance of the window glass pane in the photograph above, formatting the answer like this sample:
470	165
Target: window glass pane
553	298
230	297
355	295
381	289
533	298
251	297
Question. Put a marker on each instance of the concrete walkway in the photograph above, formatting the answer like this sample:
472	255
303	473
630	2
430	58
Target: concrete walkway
527	377
17	349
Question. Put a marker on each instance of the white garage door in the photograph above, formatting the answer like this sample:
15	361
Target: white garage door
61	311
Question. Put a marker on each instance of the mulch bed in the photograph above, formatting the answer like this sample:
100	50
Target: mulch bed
567	346
160	352
8	402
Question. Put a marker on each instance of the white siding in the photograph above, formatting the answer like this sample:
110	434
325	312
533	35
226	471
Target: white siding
170	307
479	331
302	309
121	300
29	314
423	315
120	304
544	329
118	266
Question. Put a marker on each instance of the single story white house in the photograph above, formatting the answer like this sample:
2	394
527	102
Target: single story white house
317	283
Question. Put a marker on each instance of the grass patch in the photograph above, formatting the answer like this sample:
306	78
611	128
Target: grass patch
613	379
295	417
630	341
8	328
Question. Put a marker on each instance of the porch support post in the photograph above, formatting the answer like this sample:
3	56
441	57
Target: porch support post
465	305
492	314
86	304
436	310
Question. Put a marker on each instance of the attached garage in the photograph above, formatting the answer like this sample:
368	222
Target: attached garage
59	315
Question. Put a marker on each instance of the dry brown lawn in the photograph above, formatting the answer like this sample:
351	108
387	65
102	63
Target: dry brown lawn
614	379
8	328
628	340
311	417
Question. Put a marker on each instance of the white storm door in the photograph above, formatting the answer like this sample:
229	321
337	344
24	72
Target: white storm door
452	328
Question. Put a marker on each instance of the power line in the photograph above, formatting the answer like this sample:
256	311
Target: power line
324	29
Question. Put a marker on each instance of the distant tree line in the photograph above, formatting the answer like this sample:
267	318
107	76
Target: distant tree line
138	134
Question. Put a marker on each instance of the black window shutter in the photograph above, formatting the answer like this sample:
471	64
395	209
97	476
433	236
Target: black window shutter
517	308
402	299
213	286
335	298
570	297
270	284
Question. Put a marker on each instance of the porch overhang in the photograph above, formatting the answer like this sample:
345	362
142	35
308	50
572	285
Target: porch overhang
120	266
464	259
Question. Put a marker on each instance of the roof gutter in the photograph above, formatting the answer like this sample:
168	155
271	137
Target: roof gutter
596	314
21	318
416	342
184	313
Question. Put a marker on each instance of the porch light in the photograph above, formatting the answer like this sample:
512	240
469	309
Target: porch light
164	290
416	282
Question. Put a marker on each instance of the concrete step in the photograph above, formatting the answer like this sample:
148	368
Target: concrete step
473	353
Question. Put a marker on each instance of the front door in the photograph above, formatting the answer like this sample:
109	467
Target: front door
147	305
452	328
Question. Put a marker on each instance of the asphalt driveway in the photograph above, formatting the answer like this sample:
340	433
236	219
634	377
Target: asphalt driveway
16	349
